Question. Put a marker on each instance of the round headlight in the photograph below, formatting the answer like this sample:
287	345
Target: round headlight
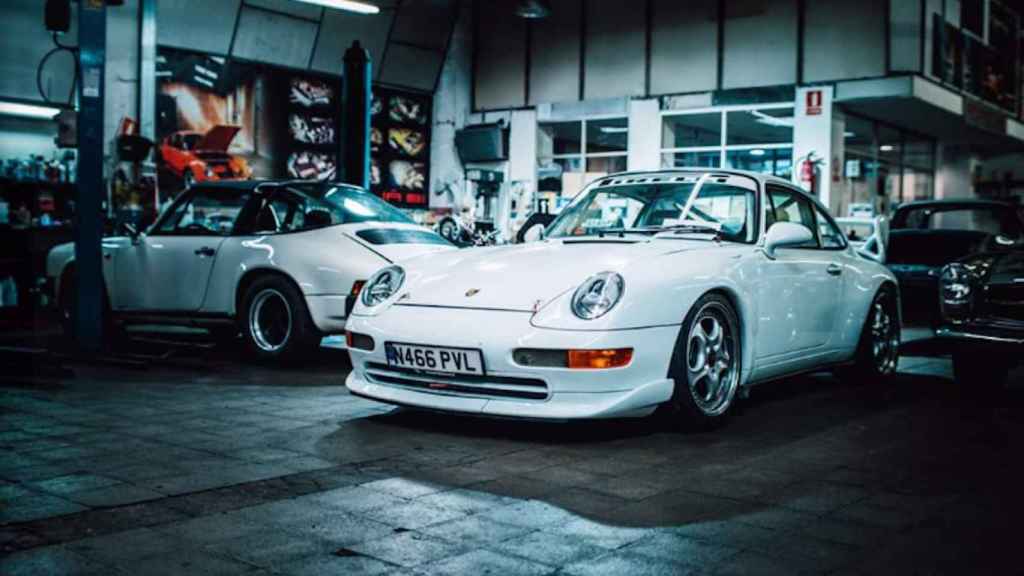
599	294
382	285
956	284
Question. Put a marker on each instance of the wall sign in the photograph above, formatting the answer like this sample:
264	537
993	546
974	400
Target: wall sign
400	147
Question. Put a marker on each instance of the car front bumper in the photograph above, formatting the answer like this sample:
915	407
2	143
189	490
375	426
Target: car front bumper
556	393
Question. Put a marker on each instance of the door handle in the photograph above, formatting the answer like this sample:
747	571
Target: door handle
205	251
834	269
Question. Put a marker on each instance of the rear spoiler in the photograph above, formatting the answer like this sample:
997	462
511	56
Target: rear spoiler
874	246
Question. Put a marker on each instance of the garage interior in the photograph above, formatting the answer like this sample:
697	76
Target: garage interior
150	424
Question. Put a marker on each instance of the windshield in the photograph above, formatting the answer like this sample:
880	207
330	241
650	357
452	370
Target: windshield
347	205
718	209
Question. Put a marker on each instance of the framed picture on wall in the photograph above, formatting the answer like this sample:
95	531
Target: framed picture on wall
400	147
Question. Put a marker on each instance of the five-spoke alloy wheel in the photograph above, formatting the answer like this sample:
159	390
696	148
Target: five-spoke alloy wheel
706	363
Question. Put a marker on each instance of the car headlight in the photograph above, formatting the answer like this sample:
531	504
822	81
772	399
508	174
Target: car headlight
382	285
956	284
598	295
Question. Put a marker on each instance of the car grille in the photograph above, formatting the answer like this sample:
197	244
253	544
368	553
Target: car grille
1005	302
459	384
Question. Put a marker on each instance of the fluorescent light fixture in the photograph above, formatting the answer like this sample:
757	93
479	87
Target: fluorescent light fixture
757	152
849	134
780	121
886	148
28	110
349	5
614	129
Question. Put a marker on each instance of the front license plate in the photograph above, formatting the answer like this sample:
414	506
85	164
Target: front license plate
435	358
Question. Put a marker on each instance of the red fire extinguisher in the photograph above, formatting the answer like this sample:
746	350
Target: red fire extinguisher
809	172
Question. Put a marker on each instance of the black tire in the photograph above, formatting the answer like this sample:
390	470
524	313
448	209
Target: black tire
283	328
535	219
705	403
878	351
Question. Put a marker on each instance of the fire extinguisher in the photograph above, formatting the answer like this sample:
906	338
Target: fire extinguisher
809	172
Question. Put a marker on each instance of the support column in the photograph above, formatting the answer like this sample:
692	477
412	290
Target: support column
355	141
92	40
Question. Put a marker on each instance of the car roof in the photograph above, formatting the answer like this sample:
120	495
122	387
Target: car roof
954	204
253	184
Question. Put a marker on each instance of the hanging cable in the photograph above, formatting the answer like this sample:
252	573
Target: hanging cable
58	47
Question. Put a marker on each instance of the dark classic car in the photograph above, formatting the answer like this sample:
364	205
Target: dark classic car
982	302
925	236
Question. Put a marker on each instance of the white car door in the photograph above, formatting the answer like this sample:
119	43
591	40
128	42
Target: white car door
168	269
799	296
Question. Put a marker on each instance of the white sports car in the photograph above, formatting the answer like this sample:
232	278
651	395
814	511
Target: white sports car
279	261
676	288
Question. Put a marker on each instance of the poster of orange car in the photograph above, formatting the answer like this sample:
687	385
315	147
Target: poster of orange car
196	157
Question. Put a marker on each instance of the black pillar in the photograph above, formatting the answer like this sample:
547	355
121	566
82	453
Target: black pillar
355	140
92	40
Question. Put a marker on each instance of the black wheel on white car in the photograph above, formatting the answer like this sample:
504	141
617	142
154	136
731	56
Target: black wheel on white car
275	321
878	353
706	364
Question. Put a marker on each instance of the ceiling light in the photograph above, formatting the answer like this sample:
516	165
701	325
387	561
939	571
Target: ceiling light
757	152
533	9
780	121
349	5
886	148
849	134
28	110
614	129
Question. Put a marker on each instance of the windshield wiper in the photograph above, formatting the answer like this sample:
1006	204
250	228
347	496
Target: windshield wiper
621	231
695	226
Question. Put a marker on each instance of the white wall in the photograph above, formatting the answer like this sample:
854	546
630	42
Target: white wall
644	135
22	137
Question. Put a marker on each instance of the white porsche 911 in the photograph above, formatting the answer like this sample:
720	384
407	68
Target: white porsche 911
279	261
676	288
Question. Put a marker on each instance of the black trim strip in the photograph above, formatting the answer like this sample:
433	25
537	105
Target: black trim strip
464	378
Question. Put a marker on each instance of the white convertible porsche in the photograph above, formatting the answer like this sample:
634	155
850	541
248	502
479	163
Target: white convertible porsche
279	261
676	288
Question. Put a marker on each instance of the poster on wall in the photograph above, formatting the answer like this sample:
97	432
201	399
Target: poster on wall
400	147
230	120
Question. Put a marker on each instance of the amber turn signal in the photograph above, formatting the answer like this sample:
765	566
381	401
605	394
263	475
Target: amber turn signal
600	359
357	287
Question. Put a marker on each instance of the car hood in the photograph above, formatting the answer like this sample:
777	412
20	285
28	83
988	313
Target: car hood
218	138
396	241
524	277
1008	269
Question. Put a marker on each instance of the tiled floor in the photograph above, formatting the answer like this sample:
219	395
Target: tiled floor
212	466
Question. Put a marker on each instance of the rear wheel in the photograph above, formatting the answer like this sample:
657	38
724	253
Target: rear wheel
878	353
275	321
706	364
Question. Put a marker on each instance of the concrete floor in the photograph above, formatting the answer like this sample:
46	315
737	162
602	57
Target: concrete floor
197	463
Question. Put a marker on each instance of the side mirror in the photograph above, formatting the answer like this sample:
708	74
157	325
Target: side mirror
786	235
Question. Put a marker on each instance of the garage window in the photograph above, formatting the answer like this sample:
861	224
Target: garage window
758	138
572	153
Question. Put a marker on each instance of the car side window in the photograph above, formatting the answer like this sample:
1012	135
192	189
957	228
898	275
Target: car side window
787	206
831	236
283	211
208	212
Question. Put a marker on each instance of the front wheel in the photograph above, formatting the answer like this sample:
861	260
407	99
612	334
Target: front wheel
706	364
878	353
275	321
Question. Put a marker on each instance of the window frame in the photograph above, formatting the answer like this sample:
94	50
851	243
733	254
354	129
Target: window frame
186	198
582	156
800	197
723	148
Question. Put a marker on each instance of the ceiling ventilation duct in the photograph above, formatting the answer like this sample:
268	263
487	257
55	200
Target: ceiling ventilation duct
533	9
